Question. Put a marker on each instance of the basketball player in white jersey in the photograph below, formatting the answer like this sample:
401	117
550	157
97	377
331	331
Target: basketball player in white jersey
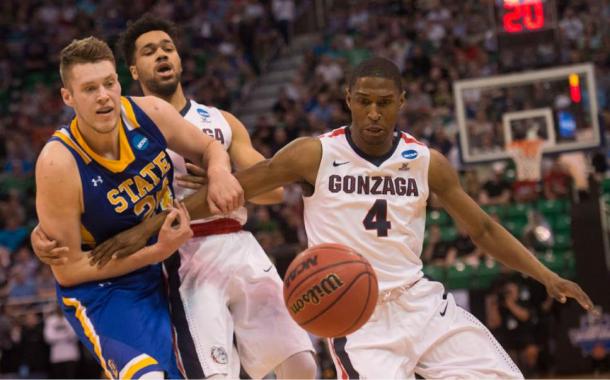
369	187
222	282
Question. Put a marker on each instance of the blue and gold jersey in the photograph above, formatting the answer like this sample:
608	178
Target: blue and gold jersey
118	194
124	321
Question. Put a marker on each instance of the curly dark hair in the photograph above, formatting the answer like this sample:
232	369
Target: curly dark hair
147	23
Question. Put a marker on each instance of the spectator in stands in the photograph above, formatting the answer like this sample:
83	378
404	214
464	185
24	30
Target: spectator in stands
556	182
33	348
571	26
63	343
20	284
24	258
283	104
537	234
463	249
471	183
575	163
496	190
329	70
9	335
14	233
284	13
600	165
512	317
435	252
45	282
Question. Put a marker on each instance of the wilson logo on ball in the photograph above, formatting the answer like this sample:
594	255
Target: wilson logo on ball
310	262
326	287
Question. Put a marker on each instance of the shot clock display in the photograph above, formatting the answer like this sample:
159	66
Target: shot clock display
524	16
526	33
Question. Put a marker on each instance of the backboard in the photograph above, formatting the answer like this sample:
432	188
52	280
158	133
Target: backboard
559	104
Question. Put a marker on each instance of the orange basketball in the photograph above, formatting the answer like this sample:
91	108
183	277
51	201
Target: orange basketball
330	290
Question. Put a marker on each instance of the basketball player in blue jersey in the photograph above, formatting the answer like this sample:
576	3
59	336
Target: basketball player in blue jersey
222	269
105	172
369	185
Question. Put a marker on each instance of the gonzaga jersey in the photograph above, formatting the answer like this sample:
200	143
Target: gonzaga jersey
375	205
124	321
212	123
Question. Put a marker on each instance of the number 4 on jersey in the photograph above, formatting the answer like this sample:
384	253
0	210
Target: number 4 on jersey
377	218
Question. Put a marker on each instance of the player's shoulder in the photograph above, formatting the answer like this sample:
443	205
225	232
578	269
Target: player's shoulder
56	160
206	112
410	139
151	104
441	174
302	148
337	132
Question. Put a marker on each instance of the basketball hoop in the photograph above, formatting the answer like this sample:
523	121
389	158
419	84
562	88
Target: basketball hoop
527	155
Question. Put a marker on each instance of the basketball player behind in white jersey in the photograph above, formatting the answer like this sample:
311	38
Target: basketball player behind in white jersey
222	282
369	187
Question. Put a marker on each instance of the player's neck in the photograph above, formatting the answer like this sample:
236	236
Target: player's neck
176	99
104	144
374	150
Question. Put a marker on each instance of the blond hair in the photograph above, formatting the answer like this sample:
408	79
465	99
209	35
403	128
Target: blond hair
86	50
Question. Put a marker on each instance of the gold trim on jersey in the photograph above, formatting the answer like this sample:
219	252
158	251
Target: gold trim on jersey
128	115
126	155
86	236
136	364
64	136
81	314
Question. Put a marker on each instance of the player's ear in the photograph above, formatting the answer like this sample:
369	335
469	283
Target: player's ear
348	98
66	96
134	72
401	99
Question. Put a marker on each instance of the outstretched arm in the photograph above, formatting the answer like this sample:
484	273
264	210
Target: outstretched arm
491	236
296	162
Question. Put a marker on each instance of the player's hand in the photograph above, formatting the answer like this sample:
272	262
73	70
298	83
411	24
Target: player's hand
47	250
562	289
176	230
195	178
121	245
224	191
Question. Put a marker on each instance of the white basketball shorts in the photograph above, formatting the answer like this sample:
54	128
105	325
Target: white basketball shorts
421	330
228	285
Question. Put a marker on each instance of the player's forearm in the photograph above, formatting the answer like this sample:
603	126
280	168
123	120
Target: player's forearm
257	180
216	159
81	271
269	198
500	244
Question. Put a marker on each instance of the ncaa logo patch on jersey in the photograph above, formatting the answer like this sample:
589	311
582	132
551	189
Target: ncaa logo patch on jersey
409	154
139	141
205	115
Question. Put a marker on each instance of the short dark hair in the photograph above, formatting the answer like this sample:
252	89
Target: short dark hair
146	23
86	50
376	67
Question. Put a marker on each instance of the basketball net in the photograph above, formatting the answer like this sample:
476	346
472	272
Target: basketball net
527	155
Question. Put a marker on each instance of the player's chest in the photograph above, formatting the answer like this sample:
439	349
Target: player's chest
141	187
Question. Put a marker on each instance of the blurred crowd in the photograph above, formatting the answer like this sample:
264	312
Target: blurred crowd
225	46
